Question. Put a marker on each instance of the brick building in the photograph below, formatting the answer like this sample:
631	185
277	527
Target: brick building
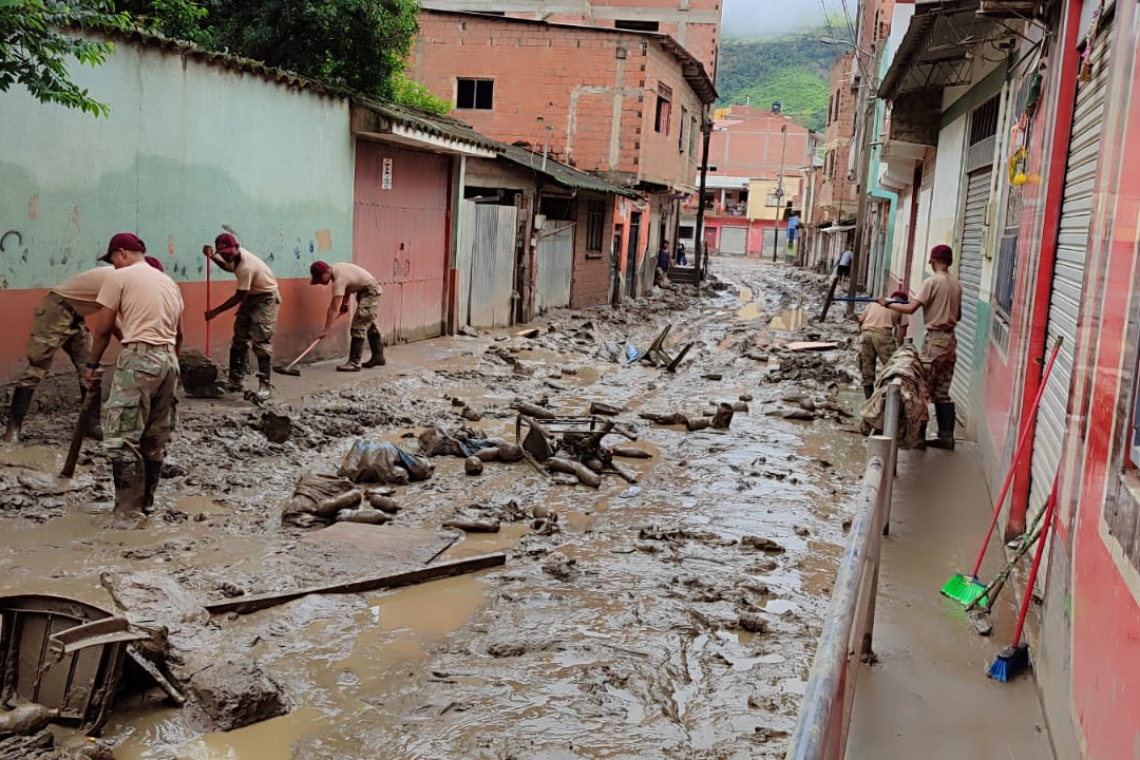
624	105
836	187
694	24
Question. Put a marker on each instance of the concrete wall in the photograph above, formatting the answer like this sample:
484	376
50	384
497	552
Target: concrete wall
747	142
187	148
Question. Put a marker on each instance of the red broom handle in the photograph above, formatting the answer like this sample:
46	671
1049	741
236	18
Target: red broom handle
208	306
1041	541
1025	428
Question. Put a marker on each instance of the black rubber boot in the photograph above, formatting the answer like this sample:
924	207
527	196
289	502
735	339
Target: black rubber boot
376	346
945	413
868	391
239	365
152	471
95	423
130	493
21	402
355	351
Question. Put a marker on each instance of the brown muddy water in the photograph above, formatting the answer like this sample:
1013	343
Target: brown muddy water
623	635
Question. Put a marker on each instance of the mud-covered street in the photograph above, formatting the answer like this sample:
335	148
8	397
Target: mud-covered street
674	617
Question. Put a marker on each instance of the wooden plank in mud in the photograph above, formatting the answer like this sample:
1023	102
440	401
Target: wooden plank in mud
811	346
243	605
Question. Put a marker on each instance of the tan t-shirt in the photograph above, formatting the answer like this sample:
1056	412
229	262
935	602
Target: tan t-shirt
349	278
148	302
880	318
254	275
82	290
941	299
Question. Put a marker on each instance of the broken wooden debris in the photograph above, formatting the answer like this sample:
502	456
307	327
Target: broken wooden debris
608	410
244	605
585	475
630	452
157	675
800	346
473	526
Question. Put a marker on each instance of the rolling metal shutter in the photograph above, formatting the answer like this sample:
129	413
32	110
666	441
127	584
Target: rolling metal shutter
970	275
733	241
1069	273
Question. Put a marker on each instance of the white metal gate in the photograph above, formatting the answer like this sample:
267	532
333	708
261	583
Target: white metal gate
555	265
486	264
1069	273
970	276
733	241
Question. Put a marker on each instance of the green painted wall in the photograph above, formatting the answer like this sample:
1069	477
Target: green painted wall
188	147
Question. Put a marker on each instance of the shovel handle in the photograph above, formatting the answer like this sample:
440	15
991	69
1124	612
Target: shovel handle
304	353
81	427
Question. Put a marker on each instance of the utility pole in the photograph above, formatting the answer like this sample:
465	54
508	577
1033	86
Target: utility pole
699	243
870	88
780	191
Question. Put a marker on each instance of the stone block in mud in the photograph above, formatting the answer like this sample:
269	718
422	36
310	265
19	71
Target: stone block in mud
276	427
200	374
753	622
232	694
760	543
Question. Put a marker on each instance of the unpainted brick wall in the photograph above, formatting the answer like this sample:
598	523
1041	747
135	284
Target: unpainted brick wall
591	285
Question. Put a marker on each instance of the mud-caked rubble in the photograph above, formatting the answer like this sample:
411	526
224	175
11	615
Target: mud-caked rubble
668	555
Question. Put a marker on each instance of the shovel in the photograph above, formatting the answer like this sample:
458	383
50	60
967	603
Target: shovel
289	369
86	409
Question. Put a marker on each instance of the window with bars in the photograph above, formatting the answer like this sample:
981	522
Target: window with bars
595	226
681	132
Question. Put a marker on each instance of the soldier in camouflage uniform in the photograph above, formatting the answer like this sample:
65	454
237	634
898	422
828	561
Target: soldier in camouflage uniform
59	322
881	332
348	280
257	298
941	301
141	410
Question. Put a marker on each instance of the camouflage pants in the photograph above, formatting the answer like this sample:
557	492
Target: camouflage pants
875	348
141	411
55	325
939	355
367	307
255	324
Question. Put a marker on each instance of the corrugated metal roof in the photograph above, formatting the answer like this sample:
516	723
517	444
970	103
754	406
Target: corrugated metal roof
564	175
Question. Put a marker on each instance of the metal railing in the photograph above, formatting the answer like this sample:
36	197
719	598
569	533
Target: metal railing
825	715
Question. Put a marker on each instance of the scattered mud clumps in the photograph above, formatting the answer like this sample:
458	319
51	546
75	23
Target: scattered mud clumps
200	374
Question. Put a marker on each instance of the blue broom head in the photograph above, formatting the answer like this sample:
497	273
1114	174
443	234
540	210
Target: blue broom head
1010	661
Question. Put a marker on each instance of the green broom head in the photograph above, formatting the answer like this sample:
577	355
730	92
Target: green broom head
964	589
1010	662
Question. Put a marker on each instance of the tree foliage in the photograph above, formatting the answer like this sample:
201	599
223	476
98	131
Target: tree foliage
36	54
792	69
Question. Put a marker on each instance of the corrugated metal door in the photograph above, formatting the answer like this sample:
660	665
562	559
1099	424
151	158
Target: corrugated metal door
486	263
555	265
1069	273
400	234
970	276
733	241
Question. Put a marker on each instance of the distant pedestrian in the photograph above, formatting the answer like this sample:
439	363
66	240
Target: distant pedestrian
661	274
349	280
257	298
881	332
941	300
141	409
844	268
682	260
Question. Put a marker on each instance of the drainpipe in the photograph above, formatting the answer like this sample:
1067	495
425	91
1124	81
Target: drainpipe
699	244
459	178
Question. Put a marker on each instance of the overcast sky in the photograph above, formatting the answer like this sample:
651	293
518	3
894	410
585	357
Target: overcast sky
762	17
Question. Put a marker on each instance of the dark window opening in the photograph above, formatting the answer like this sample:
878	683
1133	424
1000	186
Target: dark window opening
685	232
638	26
984	123
681	131
475	94
557	208
494	196
595	226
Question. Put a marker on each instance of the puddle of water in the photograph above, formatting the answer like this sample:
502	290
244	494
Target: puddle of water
268	740
746	295
40	458
750	311
789	319
199	505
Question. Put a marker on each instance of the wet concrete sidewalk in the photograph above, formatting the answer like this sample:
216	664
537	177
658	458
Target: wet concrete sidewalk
929	695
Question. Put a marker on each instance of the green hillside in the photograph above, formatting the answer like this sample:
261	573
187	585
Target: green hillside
792	69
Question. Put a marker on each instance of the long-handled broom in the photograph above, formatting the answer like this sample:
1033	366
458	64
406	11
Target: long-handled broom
967	588
1015	657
